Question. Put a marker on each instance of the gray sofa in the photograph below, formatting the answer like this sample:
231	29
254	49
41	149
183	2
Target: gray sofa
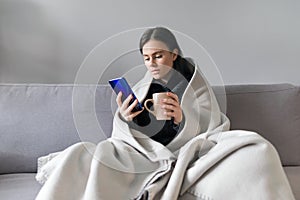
37	119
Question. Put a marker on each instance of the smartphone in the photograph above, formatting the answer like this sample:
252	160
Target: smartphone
121	85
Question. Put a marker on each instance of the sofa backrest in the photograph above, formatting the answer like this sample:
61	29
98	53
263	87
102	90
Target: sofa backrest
39	119
271	110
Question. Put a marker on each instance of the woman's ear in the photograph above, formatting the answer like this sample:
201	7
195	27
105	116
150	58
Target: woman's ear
175	54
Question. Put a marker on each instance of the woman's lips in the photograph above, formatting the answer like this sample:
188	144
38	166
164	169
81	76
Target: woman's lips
155	71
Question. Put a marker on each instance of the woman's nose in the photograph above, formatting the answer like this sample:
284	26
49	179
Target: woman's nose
152	62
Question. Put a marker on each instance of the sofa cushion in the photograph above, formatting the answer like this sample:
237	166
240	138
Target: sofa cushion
19	186
270	110
37	119
293	174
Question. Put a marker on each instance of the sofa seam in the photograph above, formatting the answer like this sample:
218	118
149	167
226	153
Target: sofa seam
258	92
50	85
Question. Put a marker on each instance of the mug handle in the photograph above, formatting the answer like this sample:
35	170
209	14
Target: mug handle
145	105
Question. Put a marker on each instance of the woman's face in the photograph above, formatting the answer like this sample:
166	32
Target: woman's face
158	58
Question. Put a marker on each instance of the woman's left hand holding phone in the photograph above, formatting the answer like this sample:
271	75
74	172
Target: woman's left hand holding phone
126	109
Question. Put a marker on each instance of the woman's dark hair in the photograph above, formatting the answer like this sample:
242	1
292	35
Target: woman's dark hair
160	34
167	37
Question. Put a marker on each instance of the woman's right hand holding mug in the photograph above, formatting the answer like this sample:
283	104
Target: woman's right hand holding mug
125	109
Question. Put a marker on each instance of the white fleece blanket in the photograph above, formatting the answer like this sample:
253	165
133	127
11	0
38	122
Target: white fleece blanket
204	161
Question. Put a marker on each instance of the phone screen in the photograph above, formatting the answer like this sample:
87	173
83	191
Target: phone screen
121	85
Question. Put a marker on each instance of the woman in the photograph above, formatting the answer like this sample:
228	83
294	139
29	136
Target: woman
162	56
191	156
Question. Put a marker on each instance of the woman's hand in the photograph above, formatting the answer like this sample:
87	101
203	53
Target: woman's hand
173	107
126	109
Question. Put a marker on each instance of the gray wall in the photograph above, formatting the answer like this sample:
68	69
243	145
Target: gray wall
46	41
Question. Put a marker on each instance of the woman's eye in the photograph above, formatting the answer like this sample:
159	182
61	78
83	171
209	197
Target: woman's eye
146	59
158	56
